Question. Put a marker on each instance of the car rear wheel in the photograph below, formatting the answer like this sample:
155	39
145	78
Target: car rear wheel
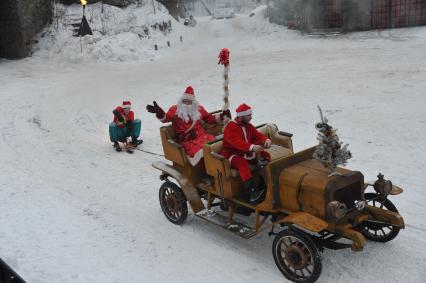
377	231
173	202
297	256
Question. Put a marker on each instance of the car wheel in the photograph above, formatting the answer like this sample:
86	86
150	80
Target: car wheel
379	232
173	203
297	256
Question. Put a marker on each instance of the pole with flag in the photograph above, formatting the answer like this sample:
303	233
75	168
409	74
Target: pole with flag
224	60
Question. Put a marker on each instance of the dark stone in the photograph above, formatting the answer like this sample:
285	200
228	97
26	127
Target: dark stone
357	15
300	14
20	20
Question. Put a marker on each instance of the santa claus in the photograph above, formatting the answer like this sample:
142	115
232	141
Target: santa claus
186	117
241	142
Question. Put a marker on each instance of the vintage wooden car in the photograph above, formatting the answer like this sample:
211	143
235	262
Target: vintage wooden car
312	210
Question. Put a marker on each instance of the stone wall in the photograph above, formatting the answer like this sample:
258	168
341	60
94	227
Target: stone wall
299	14
356	15
20	20
311	14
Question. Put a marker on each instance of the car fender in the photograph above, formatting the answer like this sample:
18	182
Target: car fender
305	220
190	192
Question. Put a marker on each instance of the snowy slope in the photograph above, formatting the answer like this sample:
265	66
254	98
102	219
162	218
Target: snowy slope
118	34
75	211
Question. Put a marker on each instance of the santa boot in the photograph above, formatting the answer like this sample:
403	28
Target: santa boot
117	147
136	142
256	194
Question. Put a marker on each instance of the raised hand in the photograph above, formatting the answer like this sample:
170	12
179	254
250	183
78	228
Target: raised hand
159	112
225	113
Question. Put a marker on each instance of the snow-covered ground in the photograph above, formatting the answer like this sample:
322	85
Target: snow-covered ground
73	210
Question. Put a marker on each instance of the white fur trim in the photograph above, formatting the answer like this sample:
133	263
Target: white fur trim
244	133
164	118
231	157
126	106
188	97
251	147
197	157
244	113
251	156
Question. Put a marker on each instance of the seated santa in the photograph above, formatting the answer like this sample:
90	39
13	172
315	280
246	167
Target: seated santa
186	118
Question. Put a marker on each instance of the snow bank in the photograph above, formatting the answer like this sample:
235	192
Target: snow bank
259	24
118	34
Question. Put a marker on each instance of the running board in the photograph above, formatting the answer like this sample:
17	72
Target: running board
218	219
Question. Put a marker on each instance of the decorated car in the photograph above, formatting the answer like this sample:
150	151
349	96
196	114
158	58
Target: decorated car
310	203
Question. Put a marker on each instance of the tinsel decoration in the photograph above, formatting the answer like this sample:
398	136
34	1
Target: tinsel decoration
223	59
330	151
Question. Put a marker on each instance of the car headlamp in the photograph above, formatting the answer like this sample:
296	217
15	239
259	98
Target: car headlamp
336	209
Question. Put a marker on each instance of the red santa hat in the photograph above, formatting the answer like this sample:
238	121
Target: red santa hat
189	93
127	104
243	110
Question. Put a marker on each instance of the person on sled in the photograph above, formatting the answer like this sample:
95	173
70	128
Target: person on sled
186	117
241	142
124	125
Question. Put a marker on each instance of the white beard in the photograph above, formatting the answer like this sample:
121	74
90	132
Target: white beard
188	112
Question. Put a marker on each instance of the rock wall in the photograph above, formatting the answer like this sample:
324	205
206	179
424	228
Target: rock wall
356	15
20	20
300	14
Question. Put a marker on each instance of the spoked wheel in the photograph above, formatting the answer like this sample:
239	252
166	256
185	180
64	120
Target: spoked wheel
296	256
173	203
377	231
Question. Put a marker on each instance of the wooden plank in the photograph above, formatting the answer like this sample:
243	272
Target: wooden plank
221	220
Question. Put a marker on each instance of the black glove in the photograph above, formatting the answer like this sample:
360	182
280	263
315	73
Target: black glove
119	117
225	113
159	113
191	135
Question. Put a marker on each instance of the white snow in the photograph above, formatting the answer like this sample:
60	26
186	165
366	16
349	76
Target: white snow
118	34
73	210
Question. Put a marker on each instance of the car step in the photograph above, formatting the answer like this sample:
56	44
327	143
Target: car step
221	220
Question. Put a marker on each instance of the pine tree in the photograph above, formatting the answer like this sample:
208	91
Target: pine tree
330	151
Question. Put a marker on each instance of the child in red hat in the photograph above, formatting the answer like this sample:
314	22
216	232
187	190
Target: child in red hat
124	125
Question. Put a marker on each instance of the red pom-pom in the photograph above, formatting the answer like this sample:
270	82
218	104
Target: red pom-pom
224	57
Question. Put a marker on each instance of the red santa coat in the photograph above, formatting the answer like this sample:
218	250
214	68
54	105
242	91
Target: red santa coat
192	147
238	140
128	117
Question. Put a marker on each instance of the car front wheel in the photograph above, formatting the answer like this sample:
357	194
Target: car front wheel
375	230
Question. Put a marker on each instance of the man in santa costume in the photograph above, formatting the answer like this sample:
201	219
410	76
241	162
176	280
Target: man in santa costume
186	117
124	125
241	142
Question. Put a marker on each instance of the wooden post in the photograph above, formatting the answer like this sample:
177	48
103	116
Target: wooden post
168	43
155	47
230	213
